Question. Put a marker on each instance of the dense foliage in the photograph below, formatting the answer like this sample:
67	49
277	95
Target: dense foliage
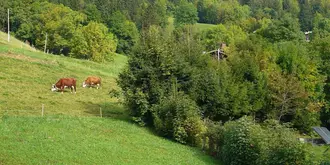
271	70
247	143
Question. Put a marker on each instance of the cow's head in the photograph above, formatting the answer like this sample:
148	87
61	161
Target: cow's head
54	88
84	84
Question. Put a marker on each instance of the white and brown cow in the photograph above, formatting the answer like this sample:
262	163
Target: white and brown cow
63	83
92	81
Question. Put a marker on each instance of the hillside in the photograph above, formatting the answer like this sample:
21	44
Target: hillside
67	140
27	76
71	132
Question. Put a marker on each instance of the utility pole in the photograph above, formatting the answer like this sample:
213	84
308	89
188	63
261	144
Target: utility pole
8	27
45	44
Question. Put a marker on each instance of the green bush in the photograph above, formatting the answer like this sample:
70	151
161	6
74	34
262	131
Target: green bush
281	145
213	137
271	144
178	118
240	145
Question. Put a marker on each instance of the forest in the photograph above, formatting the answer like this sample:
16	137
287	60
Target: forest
246	107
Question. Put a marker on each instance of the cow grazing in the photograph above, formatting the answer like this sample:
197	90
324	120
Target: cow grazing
63	83
92	81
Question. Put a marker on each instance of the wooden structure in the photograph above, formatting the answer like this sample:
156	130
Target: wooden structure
307	35
219	53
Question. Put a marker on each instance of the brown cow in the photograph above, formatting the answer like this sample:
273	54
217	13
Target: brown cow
92	81
63	83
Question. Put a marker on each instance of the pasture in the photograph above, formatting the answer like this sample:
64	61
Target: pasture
199	27
26	78
204	26
71	130
72	140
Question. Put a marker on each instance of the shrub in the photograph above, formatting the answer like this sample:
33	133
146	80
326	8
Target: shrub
282	146
240	145
178	117
213	137
247	143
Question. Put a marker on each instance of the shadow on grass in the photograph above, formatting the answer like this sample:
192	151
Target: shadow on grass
112	110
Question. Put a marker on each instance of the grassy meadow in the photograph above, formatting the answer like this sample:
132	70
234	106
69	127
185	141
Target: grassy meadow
198	26
73	140
72	131
204	26
26	78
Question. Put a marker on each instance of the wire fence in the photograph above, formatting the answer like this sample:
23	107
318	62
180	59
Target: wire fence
44	112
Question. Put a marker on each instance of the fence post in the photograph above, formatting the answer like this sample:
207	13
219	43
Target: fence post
101	112
42	110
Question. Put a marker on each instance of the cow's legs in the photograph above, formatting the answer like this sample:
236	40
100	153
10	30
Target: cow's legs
73	88
62	89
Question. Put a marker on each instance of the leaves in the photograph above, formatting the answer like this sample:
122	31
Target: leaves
185	13
288	96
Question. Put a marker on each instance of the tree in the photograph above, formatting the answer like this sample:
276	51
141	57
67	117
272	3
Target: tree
92	13
125	30
59	22
321	26
3	14
20	11
222	11
153	13
213	37
25	32
305	16
185	13
284	29
288	96
291	6
73	4
94	42
296	63
322	45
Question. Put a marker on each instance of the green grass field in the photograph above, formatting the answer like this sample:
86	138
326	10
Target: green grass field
203	26
198	26
73	140
26	78
72	131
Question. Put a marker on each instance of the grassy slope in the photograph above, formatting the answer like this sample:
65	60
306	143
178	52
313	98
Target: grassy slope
25	79
63	140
